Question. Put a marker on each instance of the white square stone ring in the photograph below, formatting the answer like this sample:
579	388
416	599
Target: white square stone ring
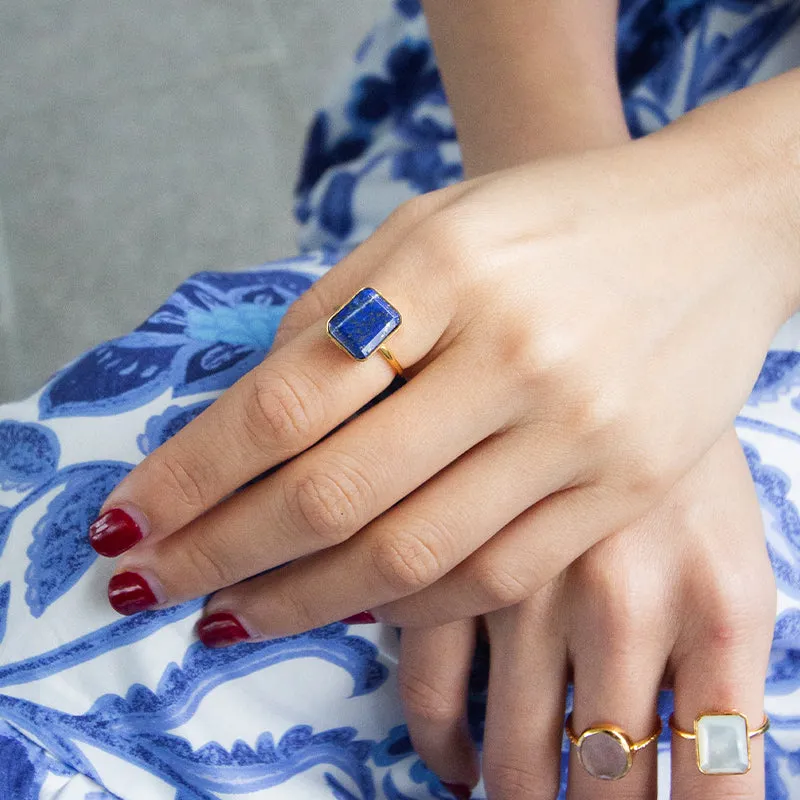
722	741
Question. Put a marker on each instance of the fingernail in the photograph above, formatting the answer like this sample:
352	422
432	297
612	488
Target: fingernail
221	630
115	532
362	618
459	790
129	593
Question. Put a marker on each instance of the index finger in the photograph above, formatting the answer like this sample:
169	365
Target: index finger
295	397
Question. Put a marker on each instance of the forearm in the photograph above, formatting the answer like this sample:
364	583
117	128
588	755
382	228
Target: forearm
528	78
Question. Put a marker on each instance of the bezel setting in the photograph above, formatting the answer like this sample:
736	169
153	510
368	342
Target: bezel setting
363	323
614	734
706	758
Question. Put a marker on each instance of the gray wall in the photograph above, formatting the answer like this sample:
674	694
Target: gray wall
9	346
141	141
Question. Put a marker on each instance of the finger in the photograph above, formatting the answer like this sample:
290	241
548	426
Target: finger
329	493
344	279
722	669
514	564
433	678
620	637
402	551
720	659
295	397
525	709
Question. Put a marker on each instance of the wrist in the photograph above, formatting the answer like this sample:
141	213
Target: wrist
543	125
527	80
756	136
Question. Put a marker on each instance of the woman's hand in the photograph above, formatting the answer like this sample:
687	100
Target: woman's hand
684	596
578	333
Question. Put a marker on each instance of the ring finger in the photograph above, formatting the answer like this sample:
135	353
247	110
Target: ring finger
715	678
614	715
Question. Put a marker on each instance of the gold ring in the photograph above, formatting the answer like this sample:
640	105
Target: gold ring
722	741
393	362
363	324
606	751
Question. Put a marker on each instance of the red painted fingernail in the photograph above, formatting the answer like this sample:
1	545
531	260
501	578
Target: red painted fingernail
129	593
459	790
114	533
221	630
362	618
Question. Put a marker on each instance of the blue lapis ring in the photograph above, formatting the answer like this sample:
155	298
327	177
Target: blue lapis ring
363	324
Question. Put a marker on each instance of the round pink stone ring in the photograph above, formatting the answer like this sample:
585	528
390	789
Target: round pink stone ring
606	751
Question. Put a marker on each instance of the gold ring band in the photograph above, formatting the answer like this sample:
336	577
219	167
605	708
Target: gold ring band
722	741
393	362
617	764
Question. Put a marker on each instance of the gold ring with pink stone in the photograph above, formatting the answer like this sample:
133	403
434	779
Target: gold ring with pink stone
606	751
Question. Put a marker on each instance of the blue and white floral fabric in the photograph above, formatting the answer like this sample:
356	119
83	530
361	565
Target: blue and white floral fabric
94	706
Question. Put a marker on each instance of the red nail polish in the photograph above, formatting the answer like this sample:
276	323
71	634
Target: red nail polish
129	593
362	618
459	790
114	533
221	630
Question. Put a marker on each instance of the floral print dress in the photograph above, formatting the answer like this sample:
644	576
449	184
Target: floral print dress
94	706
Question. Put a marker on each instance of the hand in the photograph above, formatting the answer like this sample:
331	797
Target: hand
568	332
685	597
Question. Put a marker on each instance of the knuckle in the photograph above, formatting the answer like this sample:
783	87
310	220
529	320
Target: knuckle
280	412
541	355
621	601
549	361
418	210
209	567
515	779
312	304
645	472
617	618
330	506
597	413
426	702
300	612
182	480
291	323
735	618
498	587
406	562
411	212
450	246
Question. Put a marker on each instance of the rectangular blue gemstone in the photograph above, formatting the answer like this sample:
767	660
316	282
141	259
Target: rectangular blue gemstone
361	325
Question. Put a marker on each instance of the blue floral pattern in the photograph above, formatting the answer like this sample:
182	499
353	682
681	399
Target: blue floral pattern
19	777
214	329
28	455
99	707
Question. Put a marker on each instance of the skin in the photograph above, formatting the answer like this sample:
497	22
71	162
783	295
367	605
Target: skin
623	340
528	79
625	268
682	597
618	611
